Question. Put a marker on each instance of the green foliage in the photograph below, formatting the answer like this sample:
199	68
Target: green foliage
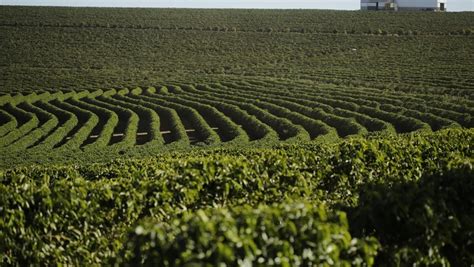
59	217
8	123
126	48
281	234
220	122
106	129
427	222
82	214
123	123
86	122
59	135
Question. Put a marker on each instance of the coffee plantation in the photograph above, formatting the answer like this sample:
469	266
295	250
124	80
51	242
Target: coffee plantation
191	137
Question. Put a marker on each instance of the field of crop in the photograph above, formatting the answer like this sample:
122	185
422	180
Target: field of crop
233	112
168	137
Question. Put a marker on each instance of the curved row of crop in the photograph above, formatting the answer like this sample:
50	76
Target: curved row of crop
209	112
436	122
340	108
127	127
171	126
370	123
205	133
267	127
47	122
104	128
233	129
425	104
401	122
9	122
226	128
316	127
67	122
255	129
345	90
286	130
412	108
417	84
149	122
321	111
86	122
27	122
284	108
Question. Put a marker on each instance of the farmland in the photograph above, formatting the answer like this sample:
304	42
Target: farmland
239	137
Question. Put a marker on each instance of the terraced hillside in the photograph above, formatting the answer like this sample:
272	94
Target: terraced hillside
234	112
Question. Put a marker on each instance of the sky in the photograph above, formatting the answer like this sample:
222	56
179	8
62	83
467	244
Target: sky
452	5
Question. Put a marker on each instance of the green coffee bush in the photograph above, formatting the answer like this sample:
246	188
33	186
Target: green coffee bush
281	234
424	223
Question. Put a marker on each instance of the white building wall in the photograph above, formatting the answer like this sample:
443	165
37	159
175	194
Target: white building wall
416	3
419	4
404	4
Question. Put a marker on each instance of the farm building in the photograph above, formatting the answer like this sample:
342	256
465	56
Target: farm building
428	5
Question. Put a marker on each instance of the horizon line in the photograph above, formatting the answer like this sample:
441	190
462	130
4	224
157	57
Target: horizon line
193	7
172	7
